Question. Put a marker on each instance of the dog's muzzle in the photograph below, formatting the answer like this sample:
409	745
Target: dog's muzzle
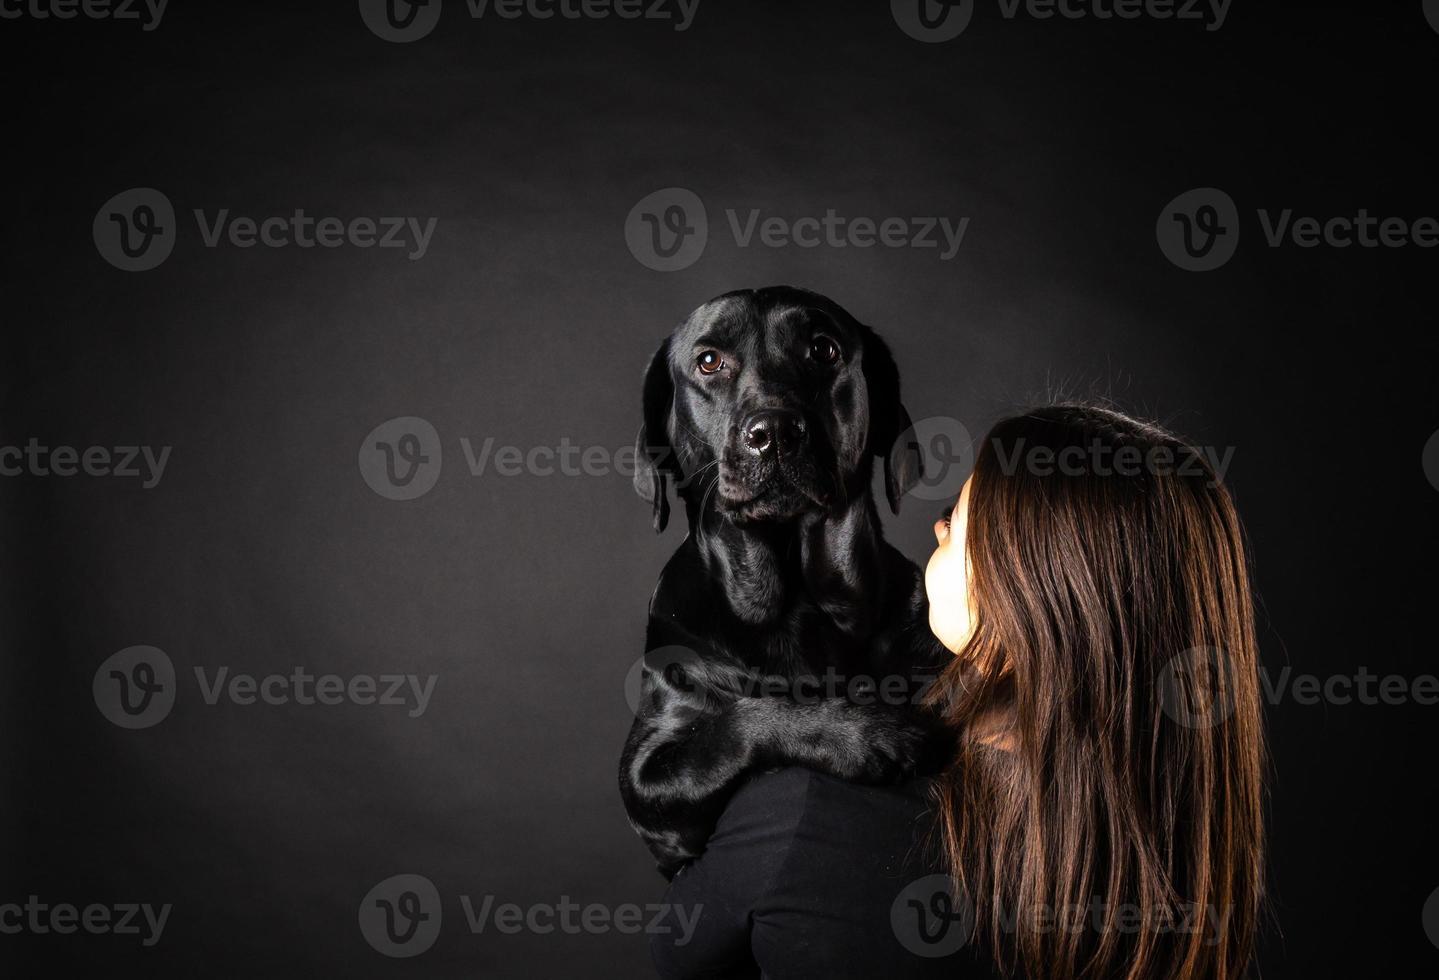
770	471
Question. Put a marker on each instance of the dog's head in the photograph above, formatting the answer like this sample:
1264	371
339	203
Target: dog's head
767	404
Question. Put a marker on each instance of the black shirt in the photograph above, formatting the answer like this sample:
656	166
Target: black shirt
808	876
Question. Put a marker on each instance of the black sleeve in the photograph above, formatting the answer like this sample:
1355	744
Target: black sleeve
801	880
720	891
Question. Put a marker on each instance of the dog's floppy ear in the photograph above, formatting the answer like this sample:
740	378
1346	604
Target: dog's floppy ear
891	433
654	454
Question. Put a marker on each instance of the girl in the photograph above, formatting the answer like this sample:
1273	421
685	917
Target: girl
1102	816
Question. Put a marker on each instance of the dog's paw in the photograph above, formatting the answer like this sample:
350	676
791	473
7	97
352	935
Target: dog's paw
878	745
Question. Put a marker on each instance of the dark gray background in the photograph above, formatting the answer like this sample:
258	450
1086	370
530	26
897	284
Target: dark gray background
530	321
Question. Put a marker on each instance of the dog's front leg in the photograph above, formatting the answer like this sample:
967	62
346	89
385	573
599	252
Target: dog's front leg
860	742
676	778
687	752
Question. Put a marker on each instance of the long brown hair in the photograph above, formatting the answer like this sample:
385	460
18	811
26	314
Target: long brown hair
1104	812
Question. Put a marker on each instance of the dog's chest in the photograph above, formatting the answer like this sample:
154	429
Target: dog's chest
806	642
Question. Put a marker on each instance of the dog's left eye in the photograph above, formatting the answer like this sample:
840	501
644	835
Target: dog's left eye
824	349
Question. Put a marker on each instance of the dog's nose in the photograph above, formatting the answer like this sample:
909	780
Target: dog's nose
773	431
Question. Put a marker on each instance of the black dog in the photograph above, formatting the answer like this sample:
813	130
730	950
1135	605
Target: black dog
765	410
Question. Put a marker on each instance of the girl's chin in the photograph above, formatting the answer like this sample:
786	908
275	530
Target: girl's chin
940	633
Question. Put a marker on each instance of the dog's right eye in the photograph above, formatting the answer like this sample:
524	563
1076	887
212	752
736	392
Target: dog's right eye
709	361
